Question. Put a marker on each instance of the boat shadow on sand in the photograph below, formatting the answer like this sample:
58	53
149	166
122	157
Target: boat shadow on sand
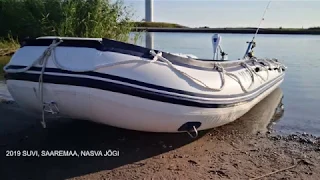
77	135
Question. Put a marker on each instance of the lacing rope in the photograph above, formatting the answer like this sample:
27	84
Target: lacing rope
252	72
43	59
237	79
268	62
217	67
275	61
106	65
264	68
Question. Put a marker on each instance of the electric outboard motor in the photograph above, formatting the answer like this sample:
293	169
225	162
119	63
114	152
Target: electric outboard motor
216	41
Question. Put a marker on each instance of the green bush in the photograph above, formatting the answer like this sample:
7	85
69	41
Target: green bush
73	18
3	61
314	28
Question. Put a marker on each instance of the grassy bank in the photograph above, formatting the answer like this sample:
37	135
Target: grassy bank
171	27
8	46
158	25
314	31
3	61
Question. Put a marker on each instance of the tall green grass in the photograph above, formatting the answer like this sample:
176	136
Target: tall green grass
8	46
77	18
3	61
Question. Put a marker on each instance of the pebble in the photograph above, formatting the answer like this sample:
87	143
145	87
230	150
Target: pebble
304	138
173	167
192	162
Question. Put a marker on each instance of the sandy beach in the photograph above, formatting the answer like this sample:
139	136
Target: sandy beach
245	149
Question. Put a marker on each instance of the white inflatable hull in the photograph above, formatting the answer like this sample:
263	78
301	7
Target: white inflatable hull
144	96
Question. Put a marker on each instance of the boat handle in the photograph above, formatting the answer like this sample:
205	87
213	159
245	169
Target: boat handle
196	132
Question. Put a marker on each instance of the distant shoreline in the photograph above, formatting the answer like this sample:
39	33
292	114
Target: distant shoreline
231	30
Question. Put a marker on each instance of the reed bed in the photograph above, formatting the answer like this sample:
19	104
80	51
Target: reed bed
74	18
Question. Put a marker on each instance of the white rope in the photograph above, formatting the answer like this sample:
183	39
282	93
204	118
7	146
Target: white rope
220	69
159	56
43	59
252	71
106	65
280	66
237	79
262	68
217	67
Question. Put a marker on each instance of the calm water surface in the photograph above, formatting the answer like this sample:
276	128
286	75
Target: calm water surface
300	53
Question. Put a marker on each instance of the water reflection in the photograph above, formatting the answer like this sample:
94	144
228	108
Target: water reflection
261	117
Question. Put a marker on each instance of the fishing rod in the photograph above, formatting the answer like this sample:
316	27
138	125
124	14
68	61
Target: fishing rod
252	44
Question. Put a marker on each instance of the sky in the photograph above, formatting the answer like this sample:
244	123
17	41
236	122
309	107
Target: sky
232	13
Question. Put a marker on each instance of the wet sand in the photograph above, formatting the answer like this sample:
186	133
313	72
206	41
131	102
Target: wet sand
244	149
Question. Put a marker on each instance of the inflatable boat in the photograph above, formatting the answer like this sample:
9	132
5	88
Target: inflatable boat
133	87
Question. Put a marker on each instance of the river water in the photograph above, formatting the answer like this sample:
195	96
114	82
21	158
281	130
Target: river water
300	53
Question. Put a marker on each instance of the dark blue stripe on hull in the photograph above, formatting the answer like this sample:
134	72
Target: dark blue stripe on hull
120	88
139	83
